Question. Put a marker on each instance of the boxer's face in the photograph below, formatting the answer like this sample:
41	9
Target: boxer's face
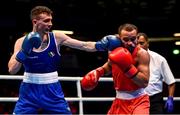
129	38
43	23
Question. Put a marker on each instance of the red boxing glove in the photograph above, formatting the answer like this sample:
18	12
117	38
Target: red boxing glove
123	58
90	80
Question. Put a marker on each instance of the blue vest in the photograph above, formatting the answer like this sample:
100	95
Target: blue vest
44	61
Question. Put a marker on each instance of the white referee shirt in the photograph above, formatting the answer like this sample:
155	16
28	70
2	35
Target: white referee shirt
159	72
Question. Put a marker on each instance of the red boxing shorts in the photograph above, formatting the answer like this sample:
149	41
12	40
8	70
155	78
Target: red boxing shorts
138	105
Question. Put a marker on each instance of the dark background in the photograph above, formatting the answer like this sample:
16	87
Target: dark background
90	20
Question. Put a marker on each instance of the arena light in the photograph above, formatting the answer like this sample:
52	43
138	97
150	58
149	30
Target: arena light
176	34
176	51
177	43
159	39
64	31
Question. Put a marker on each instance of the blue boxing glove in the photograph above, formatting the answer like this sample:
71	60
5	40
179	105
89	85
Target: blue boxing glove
169	106
32	40
109	42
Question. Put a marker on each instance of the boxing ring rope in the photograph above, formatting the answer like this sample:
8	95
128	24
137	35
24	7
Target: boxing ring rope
79	97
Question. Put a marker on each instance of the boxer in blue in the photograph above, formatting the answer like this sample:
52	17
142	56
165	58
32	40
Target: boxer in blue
38	52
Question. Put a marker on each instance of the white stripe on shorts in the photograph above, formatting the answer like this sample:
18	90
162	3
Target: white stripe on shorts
40	78
130	94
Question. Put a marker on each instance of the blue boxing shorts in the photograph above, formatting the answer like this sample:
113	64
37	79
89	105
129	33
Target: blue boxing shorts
49	98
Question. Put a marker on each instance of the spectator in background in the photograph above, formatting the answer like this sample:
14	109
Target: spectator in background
159	72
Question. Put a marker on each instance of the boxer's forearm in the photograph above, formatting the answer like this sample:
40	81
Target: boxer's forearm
13	65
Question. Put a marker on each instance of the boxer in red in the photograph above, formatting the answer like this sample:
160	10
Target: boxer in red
129	65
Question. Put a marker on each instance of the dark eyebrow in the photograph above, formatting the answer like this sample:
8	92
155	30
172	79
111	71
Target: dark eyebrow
141	43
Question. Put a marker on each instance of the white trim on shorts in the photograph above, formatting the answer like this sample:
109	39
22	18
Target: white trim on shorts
130	94
40	78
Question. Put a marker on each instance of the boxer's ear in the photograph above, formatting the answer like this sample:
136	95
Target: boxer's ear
34	21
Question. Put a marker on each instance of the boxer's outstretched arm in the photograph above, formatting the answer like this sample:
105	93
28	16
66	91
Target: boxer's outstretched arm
63	39
107	43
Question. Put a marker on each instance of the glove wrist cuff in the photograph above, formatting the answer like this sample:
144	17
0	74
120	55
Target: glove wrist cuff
132	72
21	56
170	97
101	71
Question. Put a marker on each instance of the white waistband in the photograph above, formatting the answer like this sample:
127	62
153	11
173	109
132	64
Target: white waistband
40	78
130	94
